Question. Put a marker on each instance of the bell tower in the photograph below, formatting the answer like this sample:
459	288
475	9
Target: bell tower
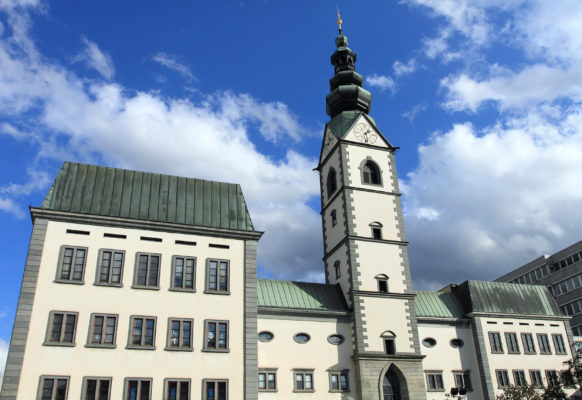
365	247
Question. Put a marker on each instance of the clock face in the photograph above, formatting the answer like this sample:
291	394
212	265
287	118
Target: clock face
364	134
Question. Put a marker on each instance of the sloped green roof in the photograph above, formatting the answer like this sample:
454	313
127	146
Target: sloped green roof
300	295
113	192
342	123
437	305
508	298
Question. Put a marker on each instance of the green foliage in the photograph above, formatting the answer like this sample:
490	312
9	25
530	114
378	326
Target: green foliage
527	392
554	392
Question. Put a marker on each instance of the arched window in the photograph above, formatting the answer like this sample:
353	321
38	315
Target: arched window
389	338
336	266
371	173
331	182
382	283
376	230
333	218
391	386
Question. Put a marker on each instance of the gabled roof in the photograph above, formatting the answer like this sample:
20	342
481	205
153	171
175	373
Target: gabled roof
343	122
437	305
300	296
113	192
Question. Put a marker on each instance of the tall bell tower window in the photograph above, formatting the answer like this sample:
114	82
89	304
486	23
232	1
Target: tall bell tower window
382	283
331	182
333	218
376	230
389	342
371	173
336	267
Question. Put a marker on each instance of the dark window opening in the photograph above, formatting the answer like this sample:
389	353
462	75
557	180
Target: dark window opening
371	173
331	182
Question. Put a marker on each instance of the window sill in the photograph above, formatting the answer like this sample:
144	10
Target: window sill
134	347
339	391
182	290
530	353
435	390
514	352
220	292
59	344
543	353
103	284
497	352
304	391
183	349
69	282
100	346
145	287
216	350
268	390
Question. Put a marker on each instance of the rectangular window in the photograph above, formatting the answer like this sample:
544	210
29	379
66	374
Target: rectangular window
176	389
96	388
383	285
138	389
53	387
303	380
434	381
71	264
519	378
267	380
183	273
512	344
217	276
110	270
179	334
338	381
535	377
142	333
552	377
389	346
147	271
62	327
216	335
559	344
528	343
495	341
377	233
102	331
215	389
502	378
462	380
544	344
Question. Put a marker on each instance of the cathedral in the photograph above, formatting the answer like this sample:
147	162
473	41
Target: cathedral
141	286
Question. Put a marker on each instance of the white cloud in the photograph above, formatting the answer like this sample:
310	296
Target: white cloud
381	82
9	206
3	355
403	69
170	61
95	58
413	113
100	121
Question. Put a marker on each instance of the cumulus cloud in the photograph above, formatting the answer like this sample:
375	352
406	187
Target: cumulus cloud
381	82
100	121
169	61
96	59
403	69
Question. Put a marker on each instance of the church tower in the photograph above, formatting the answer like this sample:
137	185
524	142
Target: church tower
365	247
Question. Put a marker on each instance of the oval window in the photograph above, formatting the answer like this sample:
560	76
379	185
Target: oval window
265	336
302	338
429	342
456	343
335	339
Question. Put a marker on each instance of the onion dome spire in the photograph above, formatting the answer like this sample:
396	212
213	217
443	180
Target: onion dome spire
346	92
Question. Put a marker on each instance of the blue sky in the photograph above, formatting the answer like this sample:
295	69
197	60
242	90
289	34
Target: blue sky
482	96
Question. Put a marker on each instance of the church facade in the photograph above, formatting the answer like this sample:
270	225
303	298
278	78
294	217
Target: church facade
143	286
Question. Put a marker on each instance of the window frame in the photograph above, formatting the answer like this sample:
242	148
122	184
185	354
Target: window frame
215	349
382	280
526	348
91	331
55	378
130	345
205	382
532	373
98	281
495	349
331	185
98	379
518	374
303	372
333	216
207	288
551	375
435	374
140	380
369	161
175	288
179	381
267	372
339	373
542	348
505	376
70	280
337	269
135	284
49	329
180	347
510	341
465	377
389	337
561	349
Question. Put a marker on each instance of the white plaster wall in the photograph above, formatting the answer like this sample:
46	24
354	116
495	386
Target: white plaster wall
357	154
340	254
338	232
443	357
332	162
377	258
375	207
523	361
285	354
382	314
120	363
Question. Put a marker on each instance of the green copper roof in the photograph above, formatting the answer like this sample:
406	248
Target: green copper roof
508	298
113	192
300	295
437	305
343	122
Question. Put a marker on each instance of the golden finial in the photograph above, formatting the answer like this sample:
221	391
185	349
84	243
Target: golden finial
339	20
